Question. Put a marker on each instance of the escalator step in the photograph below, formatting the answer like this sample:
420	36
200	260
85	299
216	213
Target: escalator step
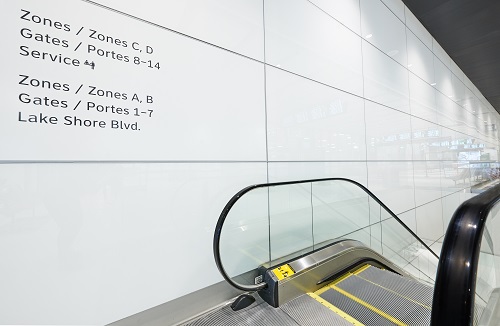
353	308
405	310
306	311
404	286
259	314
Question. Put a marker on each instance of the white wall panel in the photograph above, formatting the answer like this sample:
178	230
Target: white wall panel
466	195
455	69
422	99
427	179
392	182
474	127
297	42
470	102
430	221
450	138
384	30
450	204
441	53
417	28
447	112
458	90
232	24
310	121
286	171
389	137
468	83
109	232
455	175
461	118
426	139
385	80
397	7
345	11
420	58
442	77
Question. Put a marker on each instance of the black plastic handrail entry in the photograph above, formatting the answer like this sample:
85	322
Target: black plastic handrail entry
455	289
237	196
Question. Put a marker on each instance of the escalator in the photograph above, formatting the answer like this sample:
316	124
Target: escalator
329	252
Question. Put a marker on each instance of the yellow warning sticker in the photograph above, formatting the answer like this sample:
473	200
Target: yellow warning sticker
283	271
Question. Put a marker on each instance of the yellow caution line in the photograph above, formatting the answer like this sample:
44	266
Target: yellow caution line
340	279
398	294
359	270
322	290
369	306
327	287
335	309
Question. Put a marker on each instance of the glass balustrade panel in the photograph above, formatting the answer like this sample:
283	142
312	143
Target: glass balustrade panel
402	248
291	219
487	299
270	225
244	239
340	210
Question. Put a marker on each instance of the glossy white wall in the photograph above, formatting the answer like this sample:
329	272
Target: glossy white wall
91	243
261	91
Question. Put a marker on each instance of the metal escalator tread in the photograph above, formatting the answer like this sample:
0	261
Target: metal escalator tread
353	308
256	315
406	287
308	312
394	305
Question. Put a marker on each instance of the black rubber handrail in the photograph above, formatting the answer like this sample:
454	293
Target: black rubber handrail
455	289
239	194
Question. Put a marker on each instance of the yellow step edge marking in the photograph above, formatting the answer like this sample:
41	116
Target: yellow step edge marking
328	286
361	269
322	290
335	309
369	306
340	279
398	294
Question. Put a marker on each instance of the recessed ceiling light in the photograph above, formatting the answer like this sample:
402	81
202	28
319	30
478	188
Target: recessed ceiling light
369	35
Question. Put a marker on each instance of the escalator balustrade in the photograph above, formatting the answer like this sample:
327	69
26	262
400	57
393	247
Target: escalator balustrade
329	252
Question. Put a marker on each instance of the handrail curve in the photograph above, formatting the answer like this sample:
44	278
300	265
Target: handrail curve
239	194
